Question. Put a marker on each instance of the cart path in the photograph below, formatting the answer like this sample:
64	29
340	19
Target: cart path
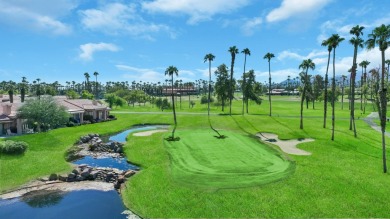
370	121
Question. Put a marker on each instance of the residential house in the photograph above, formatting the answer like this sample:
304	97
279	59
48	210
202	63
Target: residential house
77	108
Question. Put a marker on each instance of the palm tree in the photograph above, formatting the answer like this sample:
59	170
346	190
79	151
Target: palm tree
388	69
326	43
364	65
246	52
170	71
343	78
38	88
305	65
86	74
269	56
335	40
10	86
381	37
233	51
356	42
96	84
23	89
209	58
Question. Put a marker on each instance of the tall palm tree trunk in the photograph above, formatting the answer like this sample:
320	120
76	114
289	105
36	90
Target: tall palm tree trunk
303	97
243	87
174	111
326	91
361	91
353	74
269	88
364	91
333	92
247	107
231	87
383	111
208	101
342	97
302	100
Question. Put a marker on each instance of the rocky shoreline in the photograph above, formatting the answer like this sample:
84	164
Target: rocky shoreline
83	176
88	145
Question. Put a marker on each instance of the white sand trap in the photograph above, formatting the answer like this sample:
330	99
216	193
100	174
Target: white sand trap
288	146
149	133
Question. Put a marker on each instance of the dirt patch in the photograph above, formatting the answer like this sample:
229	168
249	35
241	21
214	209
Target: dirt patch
149	133
287	146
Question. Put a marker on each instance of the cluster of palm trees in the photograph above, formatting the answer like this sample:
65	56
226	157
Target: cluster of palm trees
380	36
172	70
87	83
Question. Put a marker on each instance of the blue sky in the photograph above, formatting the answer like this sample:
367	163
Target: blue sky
60	40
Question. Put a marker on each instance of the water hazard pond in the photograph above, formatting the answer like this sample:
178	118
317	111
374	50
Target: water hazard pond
58	204
75	204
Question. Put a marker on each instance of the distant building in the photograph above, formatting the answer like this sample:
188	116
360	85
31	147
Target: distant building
283	92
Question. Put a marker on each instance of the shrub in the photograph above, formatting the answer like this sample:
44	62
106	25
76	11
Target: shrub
86	122
162	103
13	147
111	116
88	118
71	119
204	99
70	124
192	103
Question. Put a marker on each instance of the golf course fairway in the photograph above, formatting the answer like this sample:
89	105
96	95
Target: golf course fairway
201	160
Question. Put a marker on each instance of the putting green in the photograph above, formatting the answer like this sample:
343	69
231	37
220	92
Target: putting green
201	160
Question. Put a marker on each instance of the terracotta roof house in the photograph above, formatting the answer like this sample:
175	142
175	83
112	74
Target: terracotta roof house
77	108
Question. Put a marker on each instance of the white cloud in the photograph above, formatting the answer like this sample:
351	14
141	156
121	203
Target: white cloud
37	15
344	64
338	26
117	18
198	10
87	50
289	55
276	76
291	8
204	73
292	55
251	25
140	74
158	74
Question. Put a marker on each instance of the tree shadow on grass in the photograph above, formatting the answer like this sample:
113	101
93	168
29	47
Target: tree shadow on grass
170	138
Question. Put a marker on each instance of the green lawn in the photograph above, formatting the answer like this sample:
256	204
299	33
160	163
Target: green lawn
201	160
342	178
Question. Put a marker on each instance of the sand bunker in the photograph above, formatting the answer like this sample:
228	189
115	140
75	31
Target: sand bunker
149	133
57	185
288	146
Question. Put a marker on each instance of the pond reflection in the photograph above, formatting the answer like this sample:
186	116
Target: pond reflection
43	198
77	204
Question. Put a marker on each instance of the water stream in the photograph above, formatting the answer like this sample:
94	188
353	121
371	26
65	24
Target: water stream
75	204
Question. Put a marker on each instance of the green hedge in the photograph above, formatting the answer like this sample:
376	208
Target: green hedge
13	147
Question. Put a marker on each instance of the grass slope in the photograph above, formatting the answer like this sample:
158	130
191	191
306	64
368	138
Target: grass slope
46	151
342	178
201	160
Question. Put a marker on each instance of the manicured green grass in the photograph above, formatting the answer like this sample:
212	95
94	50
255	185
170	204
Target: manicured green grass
201	160
342	178
46	151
